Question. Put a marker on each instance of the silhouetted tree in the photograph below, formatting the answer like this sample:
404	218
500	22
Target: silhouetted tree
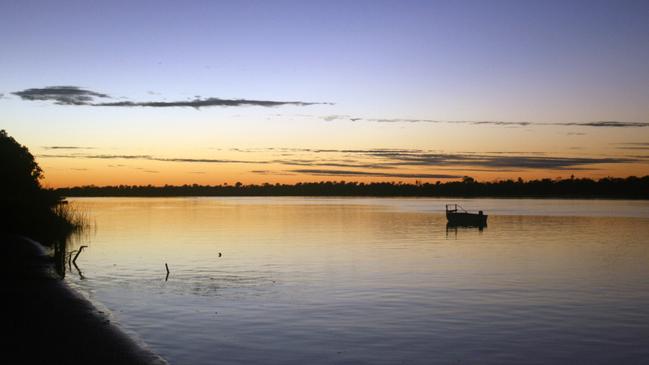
20	172
25	207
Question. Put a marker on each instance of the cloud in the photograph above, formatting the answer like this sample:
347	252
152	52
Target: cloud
68	148
390	159
271	172
633	146
615	124
73	95
333	164
105	157
330	118
513	152
200	160
497	162
146	157
374	174
479	169
605	124
200	103
320	150
61	95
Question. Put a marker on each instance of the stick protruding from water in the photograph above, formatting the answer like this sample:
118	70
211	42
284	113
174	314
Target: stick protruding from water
167	267
78	253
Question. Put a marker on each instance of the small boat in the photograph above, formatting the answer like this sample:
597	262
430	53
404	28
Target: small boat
458	216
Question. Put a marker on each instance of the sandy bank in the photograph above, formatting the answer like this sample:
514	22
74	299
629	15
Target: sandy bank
48	323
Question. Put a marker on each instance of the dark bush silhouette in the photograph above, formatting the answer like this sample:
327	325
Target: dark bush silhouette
25	206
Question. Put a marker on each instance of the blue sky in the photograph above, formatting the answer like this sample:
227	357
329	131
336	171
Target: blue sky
512	61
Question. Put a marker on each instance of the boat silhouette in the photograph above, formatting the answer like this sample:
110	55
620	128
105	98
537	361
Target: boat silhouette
458	216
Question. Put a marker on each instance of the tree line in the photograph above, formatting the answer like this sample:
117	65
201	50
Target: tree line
631	187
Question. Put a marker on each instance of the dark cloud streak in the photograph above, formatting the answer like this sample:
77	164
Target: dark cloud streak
391	159
632	146
61	95
201	103
601	124
73	95
148	158
68	148
374	174
496	162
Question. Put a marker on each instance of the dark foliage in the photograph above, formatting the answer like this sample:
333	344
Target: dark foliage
630	188
25	206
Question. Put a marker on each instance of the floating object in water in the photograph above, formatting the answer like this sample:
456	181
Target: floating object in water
458	216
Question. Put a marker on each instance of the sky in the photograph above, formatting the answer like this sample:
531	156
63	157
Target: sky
209	92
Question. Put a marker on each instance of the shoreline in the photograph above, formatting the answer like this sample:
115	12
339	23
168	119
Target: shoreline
50	323
508	197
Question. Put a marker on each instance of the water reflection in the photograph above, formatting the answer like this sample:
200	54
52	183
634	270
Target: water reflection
296	281
453	227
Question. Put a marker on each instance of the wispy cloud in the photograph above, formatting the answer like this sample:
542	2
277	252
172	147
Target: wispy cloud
323	150
296	162
74	95
201	103
200	160
632	146
499	161
373	160
373	174
512	152
144	157
271	172
603	124
391	158
67	148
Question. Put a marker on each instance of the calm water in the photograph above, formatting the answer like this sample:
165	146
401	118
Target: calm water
372	281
